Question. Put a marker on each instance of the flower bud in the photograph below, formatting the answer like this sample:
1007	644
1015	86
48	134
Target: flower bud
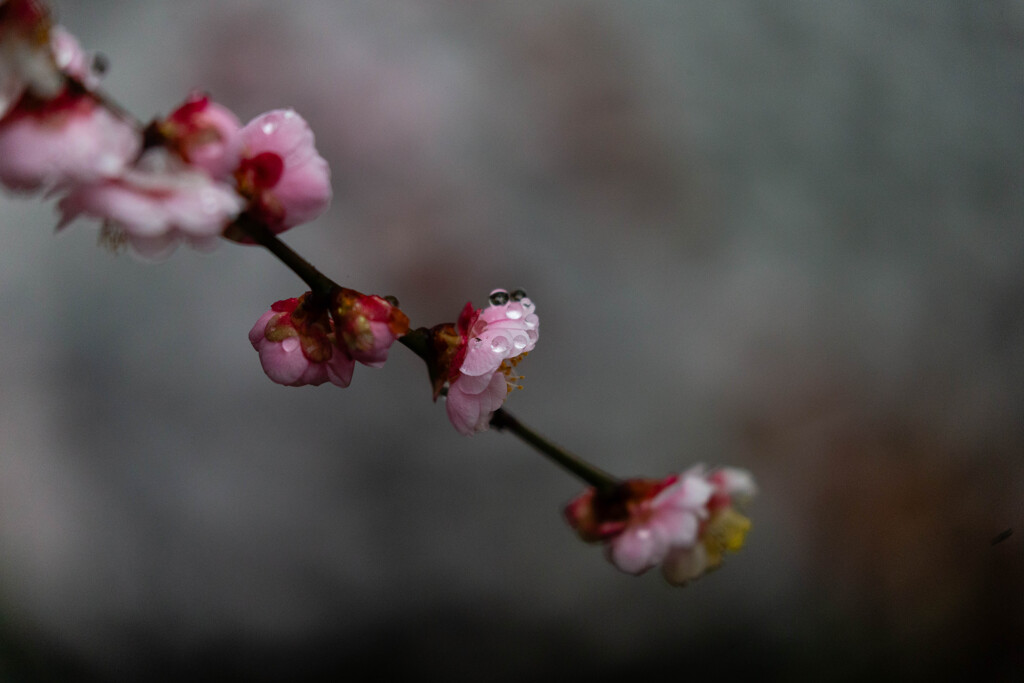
281	173
295	342
367	325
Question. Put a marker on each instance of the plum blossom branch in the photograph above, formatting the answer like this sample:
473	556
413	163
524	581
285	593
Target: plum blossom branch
246	226
578	467
199	176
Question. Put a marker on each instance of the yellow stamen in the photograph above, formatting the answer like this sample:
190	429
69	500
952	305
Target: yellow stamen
726	531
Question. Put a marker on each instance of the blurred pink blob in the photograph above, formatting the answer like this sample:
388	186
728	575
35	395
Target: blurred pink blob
157	204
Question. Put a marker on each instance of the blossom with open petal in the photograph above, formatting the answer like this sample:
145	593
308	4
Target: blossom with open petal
282	174
27	60
724	530
683	522
156	204
67	140
491	343
66	136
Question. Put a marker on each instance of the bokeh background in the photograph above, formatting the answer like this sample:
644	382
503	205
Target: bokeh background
786	236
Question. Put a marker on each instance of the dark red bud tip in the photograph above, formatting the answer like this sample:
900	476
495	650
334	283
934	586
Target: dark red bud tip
263	170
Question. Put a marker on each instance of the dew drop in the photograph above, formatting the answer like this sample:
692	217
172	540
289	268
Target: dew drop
269	127
290	344
498	297
499	345
514	311
520	342
518	295
100	64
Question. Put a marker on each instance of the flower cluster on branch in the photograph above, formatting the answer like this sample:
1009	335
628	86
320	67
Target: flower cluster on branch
198	176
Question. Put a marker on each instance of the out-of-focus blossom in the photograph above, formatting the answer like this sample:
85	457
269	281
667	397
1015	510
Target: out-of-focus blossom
367	325
302	341
295	341
71	59
156	204
725	529
69	139
684	522
54	134
204	134
285	179
488	345
27	60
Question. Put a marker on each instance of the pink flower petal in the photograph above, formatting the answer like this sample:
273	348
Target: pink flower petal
471	413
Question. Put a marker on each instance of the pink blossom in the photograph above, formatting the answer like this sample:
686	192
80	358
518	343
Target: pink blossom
724	530
472	401
70	139
27	61
296	346
492	342
204	134
156	204
683	522
287	181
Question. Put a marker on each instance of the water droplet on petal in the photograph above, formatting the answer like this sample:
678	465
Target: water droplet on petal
518	295
269	127
532	334
514	311
531	321
498	297
520	342
290	344
499	345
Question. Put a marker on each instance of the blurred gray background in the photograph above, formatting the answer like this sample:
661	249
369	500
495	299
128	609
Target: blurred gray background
786	236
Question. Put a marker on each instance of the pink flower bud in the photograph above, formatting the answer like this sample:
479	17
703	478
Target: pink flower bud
287	181
367	325
296	347
205	135
303	341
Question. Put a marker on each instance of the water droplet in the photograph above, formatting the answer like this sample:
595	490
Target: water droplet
498	297
269	127
499	345
518	295
520	342
531	321
532	334
514	311
290	344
